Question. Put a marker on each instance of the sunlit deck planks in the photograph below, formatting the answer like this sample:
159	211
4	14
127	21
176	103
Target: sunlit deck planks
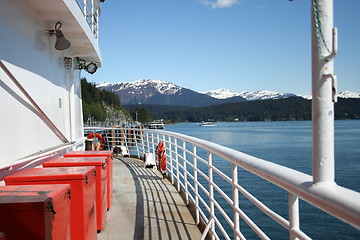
145	206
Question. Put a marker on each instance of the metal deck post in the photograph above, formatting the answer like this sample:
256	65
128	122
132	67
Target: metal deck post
211	195
323	90
196	186
293	203
235	198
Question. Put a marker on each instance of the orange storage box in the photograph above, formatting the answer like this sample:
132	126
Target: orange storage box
82	183
35	212
107	154
100	165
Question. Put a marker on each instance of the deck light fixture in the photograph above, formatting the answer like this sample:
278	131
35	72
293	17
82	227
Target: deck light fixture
68	62
80	63
61	42
91	68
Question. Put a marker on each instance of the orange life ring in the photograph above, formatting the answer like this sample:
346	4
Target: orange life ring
160	149
98	135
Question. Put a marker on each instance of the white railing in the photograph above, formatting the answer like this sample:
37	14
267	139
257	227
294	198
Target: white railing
193	167
91	11
38	158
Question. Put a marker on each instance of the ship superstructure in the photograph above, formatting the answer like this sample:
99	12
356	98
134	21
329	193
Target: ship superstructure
40	89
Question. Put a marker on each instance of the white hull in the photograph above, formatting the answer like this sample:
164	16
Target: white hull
207	124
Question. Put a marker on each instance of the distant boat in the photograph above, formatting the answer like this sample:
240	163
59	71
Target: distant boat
157	124
207	124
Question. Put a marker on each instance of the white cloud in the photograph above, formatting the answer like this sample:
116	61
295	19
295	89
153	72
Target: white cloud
220	3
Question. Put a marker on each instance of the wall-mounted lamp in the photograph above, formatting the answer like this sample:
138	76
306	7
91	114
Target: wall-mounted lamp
68	62
61	42
80	63
91	68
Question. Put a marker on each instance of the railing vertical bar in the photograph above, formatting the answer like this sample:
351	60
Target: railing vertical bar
97	24
85	3
235	198
207	228
185	174
92	16
144	143
156	144
152	142
171	146
211	192
147	143
126	140
165	144
293	202
196	186
177	165
136	142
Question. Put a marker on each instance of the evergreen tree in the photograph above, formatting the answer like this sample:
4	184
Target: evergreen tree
93	100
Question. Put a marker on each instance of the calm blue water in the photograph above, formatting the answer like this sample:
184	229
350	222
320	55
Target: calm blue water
288	144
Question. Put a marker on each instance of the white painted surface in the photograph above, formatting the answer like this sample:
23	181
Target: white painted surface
28	52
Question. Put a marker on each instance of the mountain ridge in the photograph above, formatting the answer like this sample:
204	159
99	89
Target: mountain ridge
148	91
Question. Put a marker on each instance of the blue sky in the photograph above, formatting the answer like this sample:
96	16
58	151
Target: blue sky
241	45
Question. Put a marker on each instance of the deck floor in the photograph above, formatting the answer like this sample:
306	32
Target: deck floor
145	206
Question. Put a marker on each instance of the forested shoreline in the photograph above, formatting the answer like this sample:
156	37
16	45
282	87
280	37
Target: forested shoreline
95	102
287	109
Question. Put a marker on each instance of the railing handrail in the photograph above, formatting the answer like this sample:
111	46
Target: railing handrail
338	201
91	16
35	159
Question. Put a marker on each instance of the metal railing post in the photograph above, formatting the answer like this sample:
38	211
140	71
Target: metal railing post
211	192
136	142
235	198
126	139
185	173
207	228
293	202
146	142
112	138
85	13
171	159
196	187
177	166
92	16
97	24
152	143
142	139
323	91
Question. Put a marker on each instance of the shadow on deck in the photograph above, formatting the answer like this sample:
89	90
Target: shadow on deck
145	206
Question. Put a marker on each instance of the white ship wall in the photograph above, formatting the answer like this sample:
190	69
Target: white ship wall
28	51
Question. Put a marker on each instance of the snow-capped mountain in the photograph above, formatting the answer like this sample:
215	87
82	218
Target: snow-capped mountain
249	96
140	86
263	95
147	91
348	94
221	93
343	94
